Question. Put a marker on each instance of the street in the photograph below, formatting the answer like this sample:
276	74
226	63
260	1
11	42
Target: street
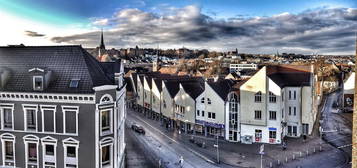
166	149
337	130
168	146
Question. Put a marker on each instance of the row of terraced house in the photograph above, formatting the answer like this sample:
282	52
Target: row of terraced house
277	101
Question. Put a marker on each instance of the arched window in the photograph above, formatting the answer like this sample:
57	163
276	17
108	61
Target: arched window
8	149
106	99
272	97
258	97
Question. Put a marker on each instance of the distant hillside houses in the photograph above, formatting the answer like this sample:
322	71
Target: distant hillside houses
276	101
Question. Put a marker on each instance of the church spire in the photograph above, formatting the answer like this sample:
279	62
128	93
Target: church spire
102	46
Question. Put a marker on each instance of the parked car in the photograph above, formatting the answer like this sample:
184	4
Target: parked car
137	128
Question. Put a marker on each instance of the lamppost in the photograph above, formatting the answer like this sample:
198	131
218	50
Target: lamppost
217	147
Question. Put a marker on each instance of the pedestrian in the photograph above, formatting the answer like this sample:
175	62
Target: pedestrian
284	145
181	161
304	138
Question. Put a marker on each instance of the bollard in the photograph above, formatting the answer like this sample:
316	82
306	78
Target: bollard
320	148
293	156
314	149
271	164
307	152
278	162
300	154
286	159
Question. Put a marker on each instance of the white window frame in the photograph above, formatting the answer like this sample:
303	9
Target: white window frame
26	107
70	109
110	122
7	106
70	142
31	139
49	141
7	137
103	101
109	141
50	108
33	83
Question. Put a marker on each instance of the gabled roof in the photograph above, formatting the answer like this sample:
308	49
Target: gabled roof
173	85
65	62
222	87
194	89
290	75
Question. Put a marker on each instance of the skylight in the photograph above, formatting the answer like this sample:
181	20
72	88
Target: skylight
74	83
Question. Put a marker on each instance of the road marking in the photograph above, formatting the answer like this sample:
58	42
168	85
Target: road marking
198	154
344	146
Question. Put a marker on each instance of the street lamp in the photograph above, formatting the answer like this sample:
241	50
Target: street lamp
217	147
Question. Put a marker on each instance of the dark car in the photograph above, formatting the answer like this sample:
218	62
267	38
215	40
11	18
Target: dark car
138	128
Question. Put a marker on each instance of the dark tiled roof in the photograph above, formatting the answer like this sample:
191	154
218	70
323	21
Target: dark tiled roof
292	79
65	62
129	85
172	85
158	83
223	87
194	89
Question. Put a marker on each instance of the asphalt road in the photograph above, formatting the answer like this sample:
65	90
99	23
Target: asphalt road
166	150
336	129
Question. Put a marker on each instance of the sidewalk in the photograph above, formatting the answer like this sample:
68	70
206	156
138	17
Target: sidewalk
244	155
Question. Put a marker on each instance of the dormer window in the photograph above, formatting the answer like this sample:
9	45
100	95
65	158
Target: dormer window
38	83
74	83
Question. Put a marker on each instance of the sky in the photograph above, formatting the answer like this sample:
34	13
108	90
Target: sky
252	26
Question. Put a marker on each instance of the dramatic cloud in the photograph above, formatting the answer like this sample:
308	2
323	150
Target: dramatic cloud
33	34
321	30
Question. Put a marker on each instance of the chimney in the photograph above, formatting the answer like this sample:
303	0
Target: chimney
4	77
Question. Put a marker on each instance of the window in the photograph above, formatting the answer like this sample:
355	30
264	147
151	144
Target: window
203	113
106	120
294	130
164	102
70	119
289	94
74	83
258	97
71	151
49	145
282	113
31	151
145	96
211	115
272	98
7	118
209	101
153	99
282	96
203	100
294	94
48	118
289	110
272	115
38	83
105	156
106	152
272	134
257	114
106	99
305	129
294	111
258	135
198	112
8	149
71	146
30	117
